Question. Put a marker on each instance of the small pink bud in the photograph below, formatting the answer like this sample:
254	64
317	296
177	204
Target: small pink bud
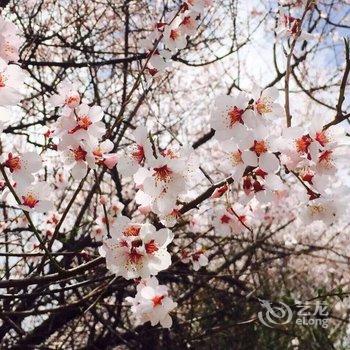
110	160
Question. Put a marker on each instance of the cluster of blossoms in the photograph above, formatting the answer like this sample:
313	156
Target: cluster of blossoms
140	251
11	75
152	303
160	175
289	20
316	155
241	124
31	195
261	154
167	38
136	250
80	129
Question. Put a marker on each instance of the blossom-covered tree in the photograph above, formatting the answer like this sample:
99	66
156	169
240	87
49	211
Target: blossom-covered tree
166	166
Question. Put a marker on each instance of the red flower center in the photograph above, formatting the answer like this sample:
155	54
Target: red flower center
325	156
79	154
30	201
322	138
263	106
98	152
151	247
242	218
132	231
13	163
72	100
236	157
225	219
187	21
138	154
163	173
135	257
197	255
235	115
174	34
303	144
261	173
259	147
258	186
170	154
247	184
83	123
157	300
308	177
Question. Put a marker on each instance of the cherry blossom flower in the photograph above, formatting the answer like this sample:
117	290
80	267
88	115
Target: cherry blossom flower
197	257
159	61
77	156
265	103
229	221
97	233
136	250
23	166
165	180
135	155
326	209
170	219
67	96
152	303
290	26
102	155
262	186
34	197
116	207
11	78
99	230
229	115
85	124
189	24
174	38
329	160
297	148
10	41
257	149
233	161
333	136
320	182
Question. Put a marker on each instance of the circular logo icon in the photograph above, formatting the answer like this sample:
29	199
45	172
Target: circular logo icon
272	315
